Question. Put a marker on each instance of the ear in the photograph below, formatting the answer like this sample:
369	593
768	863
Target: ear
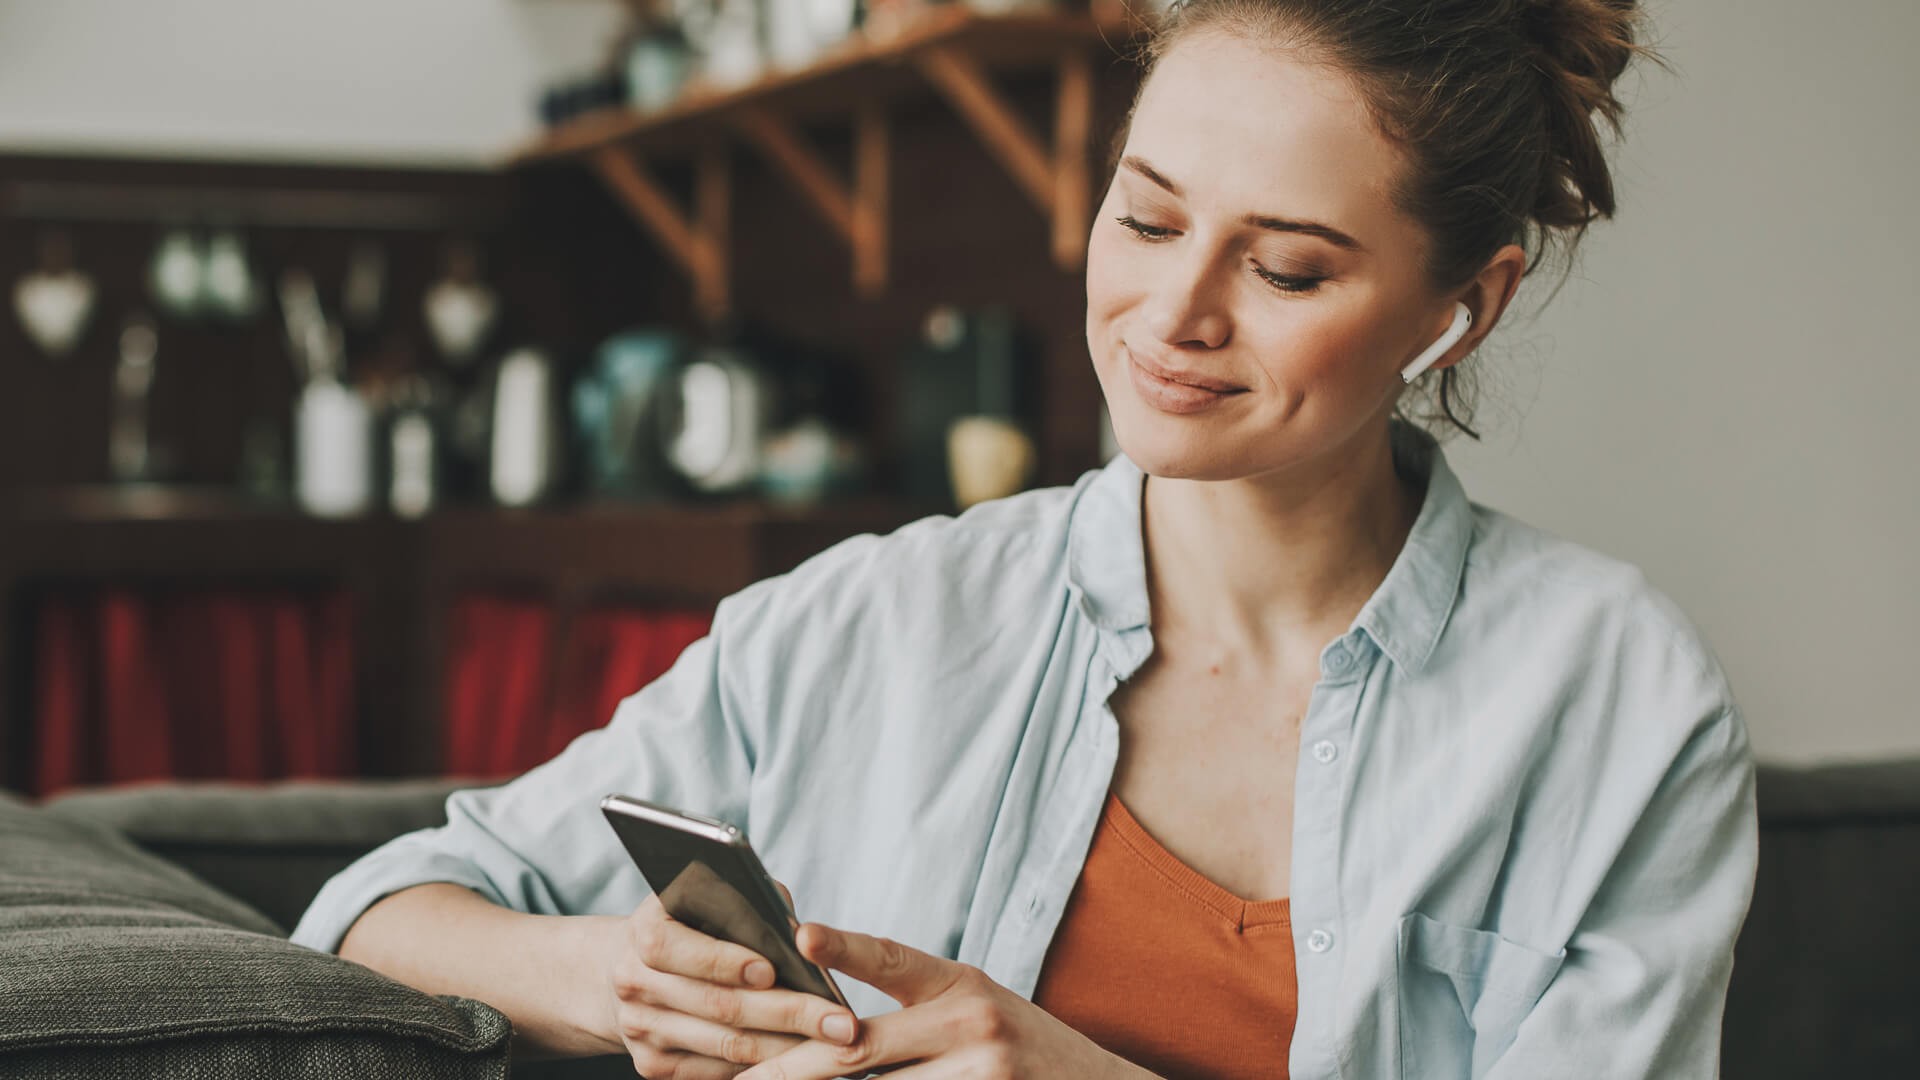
1487	296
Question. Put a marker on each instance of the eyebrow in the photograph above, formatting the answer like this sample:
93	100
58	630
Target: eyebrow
1260	221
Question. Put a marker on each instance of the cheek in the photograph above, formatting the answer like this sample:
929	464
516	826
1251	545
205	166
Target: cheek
1103	271
1324	341
1308	351
1106	294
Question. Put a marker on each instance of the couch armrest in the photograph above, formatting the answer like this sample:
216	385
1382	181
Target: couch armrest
271	845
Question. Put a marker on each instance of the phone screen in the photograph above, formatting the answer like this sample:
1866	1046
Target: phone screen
718	888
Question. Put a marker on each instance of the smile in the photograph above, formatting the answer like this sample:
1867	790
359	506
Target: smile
1181	393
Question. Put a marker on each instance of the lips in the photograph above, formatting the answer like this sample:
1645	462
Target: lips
1177	393
1184	378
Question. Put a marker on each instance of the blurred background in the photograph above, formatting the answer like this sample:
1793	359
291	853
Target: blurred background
389	388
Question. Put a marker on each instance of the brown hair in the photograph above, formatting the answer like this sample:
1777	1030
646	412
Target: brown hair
1492	103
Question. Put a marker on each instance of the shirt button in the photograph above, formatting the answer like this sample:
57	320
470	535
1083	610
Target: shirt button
1338	661
1324	752
1319	941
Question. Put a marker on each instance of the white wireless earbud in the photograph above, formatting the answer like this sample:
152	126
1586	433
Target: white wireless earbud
1462	319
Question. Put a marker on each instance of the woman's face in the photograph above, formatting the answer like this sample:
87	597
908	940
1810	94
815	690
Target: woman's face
1251	294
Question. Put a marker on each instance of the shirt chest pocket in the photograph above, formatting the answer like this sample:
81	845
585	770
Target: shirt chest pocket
1463	993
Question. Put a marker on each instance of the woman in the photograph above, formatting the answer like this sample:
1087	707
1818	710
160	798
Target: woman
1261	751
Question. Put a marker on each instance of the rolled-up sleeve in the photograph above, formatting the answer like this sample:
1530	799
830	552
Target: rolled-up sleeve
1644	983
539	843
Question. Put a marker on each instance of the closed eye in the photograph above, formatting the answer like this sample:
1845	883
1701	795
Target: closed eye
1143	230
1287	283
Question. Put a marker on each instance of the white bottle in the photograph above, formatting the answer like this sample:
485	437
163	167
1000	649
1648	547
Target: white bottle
333	436
411	493
524	451
734	55
790	37
333	430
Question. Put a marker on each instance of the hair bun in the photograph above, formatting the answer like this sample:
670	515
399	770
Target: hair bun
1583	46
1588	39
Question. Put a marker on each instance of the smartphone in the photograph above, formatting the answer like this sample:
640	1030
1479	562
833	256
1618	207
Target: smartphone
708	877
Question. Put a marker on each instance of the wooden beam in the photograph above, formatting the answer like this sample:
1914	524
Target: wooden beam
699	245
650	204
1058	178
803	166
964	84
713	194
846	73
1072	179
871	202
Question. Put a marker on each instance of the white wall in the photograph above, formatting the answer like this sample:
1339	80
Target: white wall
1724	392
425	82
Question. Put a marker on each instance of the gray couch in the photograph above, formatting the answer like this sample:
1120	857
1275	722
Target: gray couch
141	935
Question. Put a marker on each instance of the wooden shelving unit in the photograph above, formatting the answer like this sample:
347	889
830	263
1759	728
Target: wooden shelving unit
404	575
954	51
99	531
858	101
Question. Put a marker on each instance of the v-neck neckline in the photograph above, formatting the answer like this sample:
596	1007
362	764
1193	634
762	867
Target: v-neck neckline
1242	914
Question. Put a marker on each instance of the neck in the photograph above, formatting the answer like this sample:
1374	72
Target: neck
1291	556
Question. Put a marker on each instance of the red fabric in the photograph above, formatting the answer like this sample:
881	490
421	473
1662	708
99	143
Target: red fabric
313	686
61	702
611	655
131	685
517	693
139	686
232	623
136	722
496	666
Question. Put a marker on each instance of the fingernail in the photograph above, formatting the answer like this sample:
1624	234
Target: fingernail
760	973
838	1028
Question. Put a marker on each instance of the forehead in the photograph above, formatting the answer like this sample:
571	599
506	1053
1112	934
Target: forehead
1250	128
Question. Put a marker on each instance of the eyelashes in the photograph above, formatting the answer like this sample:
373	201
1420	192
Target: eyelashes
1286	283
1142	229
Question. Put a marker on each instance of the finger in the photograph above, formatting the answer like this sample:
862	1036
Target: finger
791	1011
681	1065
904	973
678	1032
895	1038
671	946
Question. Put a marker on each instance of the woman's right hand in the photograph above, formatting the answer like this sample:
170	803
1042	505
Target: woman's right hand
692	1007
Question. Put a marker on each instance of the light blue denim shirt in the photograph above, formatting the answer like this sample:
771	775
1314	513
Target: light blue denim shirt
1523	840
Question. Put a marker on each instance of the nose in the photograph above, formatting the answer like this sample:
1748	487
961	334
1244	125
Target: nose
1187	306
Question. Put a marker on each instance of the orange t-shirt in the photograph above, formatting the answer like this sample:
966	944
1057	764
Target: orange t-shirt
1159	965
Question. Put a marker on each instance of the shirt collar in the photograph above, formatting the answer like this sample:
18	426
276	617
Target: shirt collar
1405	615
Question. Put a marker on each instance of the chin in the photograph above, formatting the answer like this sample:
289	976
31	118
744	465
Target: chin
1181	448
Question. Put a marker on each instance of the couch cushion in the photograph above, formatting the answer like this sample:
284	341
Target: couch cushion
272	845
115	964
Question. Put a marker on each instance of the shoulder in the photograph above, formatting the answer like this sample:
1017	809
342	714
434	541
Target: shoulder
1597	618
1601	674
1512	561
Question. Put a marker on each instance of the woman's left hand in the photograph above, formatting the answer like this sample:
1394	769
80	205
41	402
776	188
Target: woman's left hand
955	1022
